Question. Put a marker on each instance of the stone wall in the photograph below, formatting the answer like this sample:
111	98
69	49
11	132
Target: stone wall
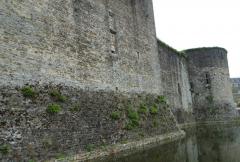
236	90
210	83
86	120
175	82
78	74
98	43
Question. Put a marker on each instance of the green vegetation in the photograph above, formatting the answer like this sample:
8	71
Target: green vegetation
133	117
209	99
90	147
58	96
142	109
141	134
132	114
155	123
154	110
47	143
4	149
130	125
53	109
75	108
179	53
161	100
31	161
238	105
28	92
61	156
115	115
182	54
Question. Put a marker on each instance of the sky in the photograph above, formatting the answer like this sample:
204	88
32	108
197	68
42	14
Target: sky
185	24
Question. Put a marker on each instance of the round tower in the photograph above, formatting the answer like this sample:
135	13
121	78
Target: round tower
210	83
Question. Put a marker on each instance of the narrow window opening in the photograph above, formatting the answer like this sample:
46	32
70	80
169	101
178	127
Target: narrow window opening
191	87
112	28
207	78
179	89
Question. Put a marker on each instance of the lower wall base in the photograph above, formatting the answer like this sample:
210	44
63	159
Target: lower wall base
128	148
86	119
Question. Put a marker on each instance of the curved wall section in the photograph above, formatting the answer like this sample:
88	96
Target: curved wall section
210	83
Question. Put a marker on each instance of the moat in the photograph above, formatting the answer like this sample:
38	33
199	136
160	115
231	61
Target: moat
212	143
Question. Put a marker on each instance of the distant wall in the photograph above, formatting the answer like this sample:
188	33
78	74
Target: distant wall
236	90
175	82
211	87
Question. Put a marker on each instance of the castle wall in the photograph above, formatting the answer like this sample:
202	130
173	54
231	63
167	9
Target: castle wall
209	77
95	61
175	82
94	43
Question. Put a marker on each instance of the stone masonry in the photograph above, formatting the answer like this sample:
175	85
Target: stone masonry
81	74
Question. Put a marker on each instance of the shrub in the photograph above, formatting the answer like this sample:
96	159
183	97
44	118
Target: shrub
133	119
28	92
90	147
132	115
154	110
61	156
142	109
53	109
129	126
161	99
115	115
75	108
31	161
58	96
4	149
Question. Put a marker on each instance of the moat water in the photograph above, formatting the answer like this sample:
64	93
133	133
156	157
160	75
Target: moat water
212	143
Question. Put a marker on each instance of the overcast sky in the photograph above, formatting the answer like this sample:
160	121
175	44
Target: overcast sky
187	24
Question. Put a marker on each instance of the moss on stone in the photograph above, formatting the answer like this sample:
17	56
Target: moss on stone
53	109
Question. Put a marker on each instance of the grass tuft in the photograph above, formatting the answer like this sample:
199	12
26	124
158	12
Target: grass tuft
28	92
154	110
53	109
142	109
115	115
58	96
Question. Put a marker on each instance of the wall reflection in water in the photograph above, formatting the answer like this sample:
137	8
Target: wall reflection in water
215	143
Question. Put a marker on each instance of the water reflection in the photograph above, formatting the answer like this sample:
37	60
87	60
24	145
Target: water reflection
215	143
